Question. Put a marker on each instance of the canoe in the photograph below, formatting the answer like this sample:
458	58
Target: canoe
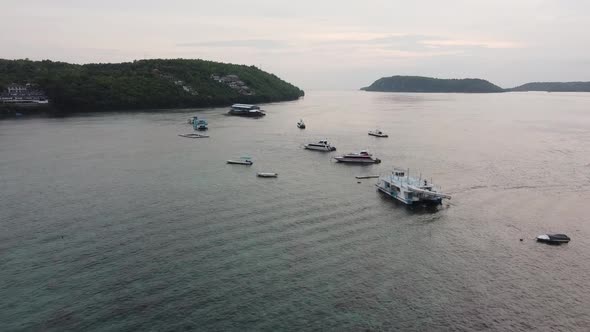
240	162
193	135
367	176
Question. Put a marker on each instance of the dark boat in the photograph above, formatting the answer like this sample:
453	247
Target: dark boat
553	238
241	161
251	111
363	157
193	135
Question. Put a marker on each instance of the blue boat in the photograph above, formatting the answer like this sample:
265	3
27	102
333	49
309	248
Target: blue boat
199	124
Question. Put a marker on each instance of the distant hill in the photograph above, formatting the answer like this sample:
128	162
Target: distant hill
428	84
554	86
147	84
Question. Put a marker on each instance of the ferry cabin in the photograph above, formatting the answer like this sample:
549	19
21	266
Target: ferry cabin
244	107
409	190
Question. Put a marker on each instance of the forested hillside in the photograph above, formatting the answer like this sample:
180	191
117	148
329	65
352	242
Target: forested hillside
147	84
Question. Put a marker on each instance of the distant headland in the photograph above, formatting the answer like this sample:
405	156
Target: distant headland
142	84
466	85
554	86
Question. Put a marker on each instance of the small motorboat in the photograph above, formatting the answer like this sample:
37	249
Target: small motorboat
242	161
553	238
301	124
378	133
267	175
363	157
360	177
200	124
322	145
193	135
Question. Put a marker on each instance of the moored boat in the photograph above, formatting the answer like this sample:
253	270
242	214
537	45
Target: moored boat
200	124
410	190
193	135
241	161
267	174
363	157
301	124
322	145
378	133
553	238
246	110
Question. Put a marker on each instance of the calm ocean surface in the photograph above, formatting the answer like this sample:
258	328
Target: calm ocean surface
111	222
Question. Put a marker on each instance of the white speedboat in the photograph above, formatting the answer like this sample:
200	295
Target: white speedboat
410	190
242	161
378	133
363	157
322	145
267	175
301	124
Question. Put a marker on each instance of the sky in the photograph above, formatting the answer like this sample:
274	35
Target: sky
315	44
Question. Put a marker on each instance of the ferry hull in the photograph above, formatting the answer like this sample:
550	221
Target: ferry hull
357	161
318	148
256	114
431	202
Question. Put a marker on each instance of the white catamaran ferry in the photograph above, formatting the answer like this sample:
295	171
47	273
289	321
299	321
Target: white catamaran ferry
410	190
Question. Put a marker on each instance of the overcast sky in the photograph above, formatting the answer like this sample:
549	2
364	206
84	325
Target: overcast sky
316	44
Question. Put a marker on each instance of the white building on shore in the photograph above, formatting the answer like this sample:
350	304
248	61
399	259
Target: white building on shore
23	94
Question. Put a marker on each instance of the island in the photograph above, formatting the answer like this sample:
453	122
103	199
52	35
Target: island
428	84
554	86
466	85
142	84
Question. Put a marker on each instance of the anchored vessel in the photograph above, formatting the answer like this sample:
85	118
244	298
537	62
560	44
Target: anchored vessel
410	190
322	145
301	124
267	175
377	133
241	161
553	238
193	135
200	124
247	110
363	157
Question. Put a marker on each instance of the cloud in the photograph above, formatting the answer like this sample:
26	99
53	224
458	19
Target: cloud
417	42
247	43
471	43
